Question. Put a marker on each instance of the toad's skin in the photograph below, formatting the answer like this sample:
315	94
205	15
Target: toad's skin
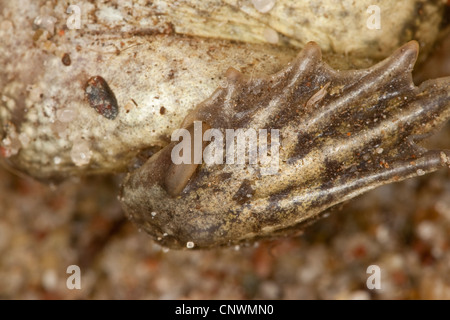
92	100
342	133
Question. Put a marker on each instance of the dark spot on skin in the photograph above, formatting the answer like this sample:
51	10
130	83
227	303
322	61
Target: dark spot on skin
332	170
305	143
245	192
271	217
225	176
275	198
66	59
162	111
101	97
